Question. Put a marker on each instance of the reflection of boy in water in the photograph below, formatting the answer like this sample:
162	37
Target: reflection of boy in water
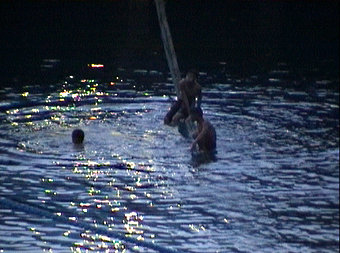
205	135
190	91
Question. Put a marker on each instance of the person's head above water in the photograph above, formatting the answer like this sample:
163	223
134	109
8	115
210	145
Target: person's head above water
196	114
191	75
78	136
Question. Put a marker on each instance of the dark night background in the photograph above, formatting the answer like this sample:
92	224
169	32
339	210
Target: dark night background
250	36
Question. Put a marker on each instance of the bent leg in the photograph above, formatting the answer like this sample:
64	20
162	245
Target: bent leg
172	112
177	117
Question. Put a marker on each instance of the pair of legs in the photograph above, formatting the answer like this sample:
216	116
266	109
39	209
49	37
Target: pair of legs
175	114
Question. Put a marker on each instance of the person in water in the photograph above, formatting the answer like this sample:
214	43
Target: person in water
78	136
190	96
205	136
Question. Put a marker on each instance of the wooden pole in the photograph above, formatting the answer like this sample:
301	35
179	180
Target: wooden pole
168	45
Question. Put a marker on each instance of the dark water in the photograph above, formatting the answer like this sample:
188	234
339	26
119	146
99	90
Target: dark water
273	188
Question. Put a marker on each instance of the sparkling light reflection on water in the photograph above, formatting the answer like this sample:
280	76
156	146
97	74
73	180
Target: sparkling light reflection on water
274	186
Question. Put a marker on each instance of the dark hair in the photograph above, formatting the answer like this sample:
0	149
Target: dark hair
194	72
196	112
78	136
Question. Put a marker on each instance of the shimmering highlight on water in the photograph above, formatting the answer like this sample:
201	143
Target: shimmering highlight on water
273	187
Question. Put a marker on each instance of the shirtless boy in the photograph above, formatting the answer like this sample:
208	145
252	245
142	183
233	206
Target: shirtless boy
190	96
205	136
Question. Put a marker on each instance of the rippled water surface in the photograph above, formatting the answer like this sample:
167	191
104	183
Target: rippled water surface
134	187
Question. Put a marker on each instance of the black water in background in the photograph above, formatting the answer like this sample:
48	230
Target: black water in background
273	188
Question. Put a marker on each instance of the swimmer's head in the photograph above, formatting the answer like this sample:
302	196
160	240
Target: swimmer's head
196	113
78	136
192	75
